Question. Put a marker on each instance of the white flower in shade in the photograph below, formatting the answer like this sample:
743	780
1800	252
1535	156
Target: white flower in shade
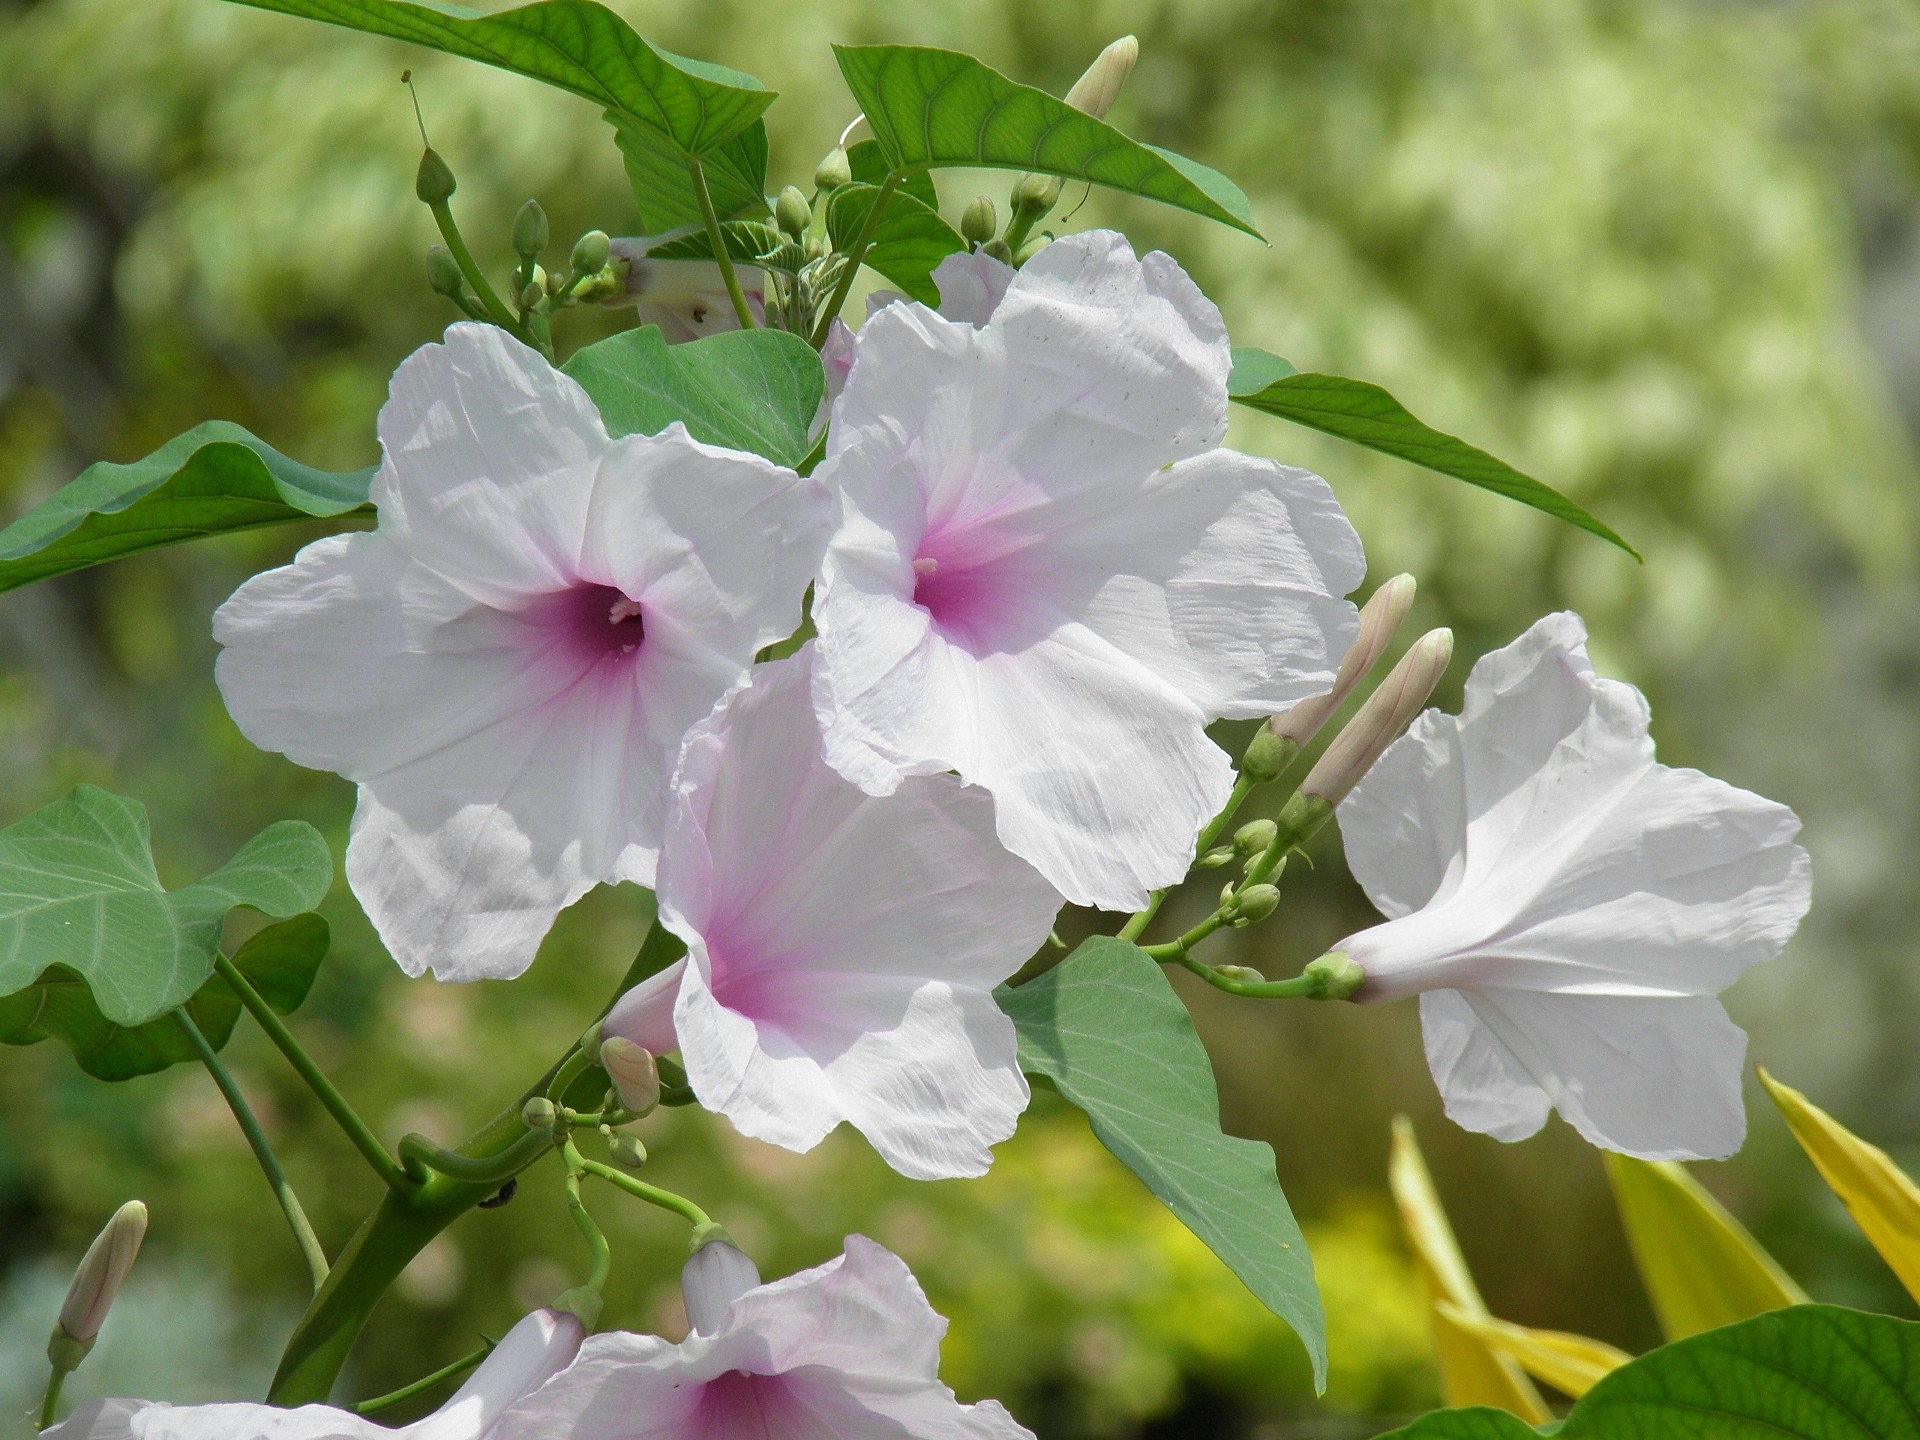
1048	578
848	1351
535	1350
1567	908
971	285
685	298
507	666
842	949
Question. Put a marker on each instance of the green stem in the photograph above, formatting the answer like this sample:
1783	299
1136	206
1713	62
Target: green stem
423	1384
576	1207
652	1194
283	1191
855	256
52	1401
344	1115
420	1158
719	239
1308	987
1209	837
489	298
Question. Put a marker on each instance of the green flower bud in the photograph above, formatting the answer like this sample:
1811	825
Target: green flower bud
1256	903
433	181
1268	756
1242	974
535	289
998	250
833	172
1035	195
979	221
1032	248
530	234
590	253
539	1113
1216	857
627	1151
791	212
1336	975
443	272
1254	837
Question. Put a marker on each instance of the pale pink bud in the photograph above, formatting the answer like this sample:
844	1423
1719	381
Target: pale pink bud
101	1272
1094	92
1380	619
718	1274
636	1079
1387	712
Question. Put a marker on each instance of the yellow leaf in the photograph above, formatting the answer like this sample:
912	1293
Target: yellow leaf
1471	1371
1571	1364
1877	1193
1700	1266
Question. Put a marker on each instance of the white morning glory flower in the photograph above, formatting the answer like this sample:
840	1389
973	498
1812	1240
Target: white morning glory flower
508	665
1567	908
538	1348
842	949
847	1351
1048	578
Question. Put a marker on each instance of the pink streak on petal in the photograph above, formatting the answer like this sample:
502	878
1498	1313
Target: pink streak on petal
739	1406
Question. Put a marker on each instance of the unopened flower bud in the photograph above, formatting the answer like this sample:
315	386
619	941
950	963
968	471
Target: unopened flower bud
443	272
433	181
1096	90
1380	620
627	1151
1267	755
998	250
1240	974
530	232
832	172
535	290
1256	903
103	1269
539	1113
1035	194
978	221
635	1076
718	1274
1254	836
1216	857
590	253
791	212
1336	976
1388	711
1032	248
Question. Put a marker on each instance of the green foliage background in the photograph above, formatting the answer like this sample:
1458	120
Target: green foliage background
1664	255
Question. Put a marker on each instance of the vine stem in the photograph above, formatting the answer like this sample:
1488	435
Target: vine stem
344	1115
483	290
283	1191
652	1194
858	253
51	1402
725	261
423	1384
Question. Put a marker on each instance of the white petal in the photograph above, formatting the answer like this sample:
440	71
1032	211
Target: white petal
622	1387
1485	1088
256	1422
100	1420
971	284
644	1014
539	1347
716	1276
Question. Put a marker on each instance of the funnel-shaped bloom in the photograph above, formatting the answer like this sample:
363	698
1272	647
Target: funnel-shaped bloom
1046	577
842	949
535	1350
1567	908
507	666
848	1351
685	298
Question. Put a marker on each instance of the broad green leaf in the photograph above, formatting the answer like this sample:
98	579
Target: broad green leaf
754	390
869	167
1367	415
214	479
281	961
575	45
663	187
1107	1031
1472	1372
1815	1372
907	244
933	108
1883	1200
749	242
1571	1364
1700	1266
78	890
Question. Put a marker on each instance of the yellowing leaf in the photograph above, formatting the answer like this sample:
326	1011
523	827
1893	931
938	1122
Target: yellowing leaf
1472	1372
1571	1364
1877	1193
1701	1268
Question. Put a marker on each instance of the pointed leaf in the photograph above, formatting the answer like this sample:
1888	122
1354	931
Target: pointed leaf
78	890
1700	1266
212	480
755	390
1107	1031
1367	415
869	167
1472	1372
933	108
1815	1372
1883	1201
663	187
910	241
1571	1364
281	961
575	45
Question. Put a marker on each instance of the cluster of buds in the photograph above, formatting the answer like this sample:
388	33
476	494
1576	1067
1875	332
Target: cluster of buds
634	1076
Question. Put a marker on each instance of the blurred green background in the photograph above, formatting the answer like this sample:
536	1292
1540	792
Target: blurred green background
1664	255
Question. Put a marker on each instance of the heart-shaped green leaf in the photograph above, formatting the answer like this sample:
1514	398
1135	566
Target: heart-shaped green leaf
78	890
908	243
663	186
1106	1030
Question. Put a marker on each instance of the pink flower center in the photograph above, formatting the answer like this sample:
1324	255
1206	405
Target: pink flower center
598	622
739	1406
970	580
